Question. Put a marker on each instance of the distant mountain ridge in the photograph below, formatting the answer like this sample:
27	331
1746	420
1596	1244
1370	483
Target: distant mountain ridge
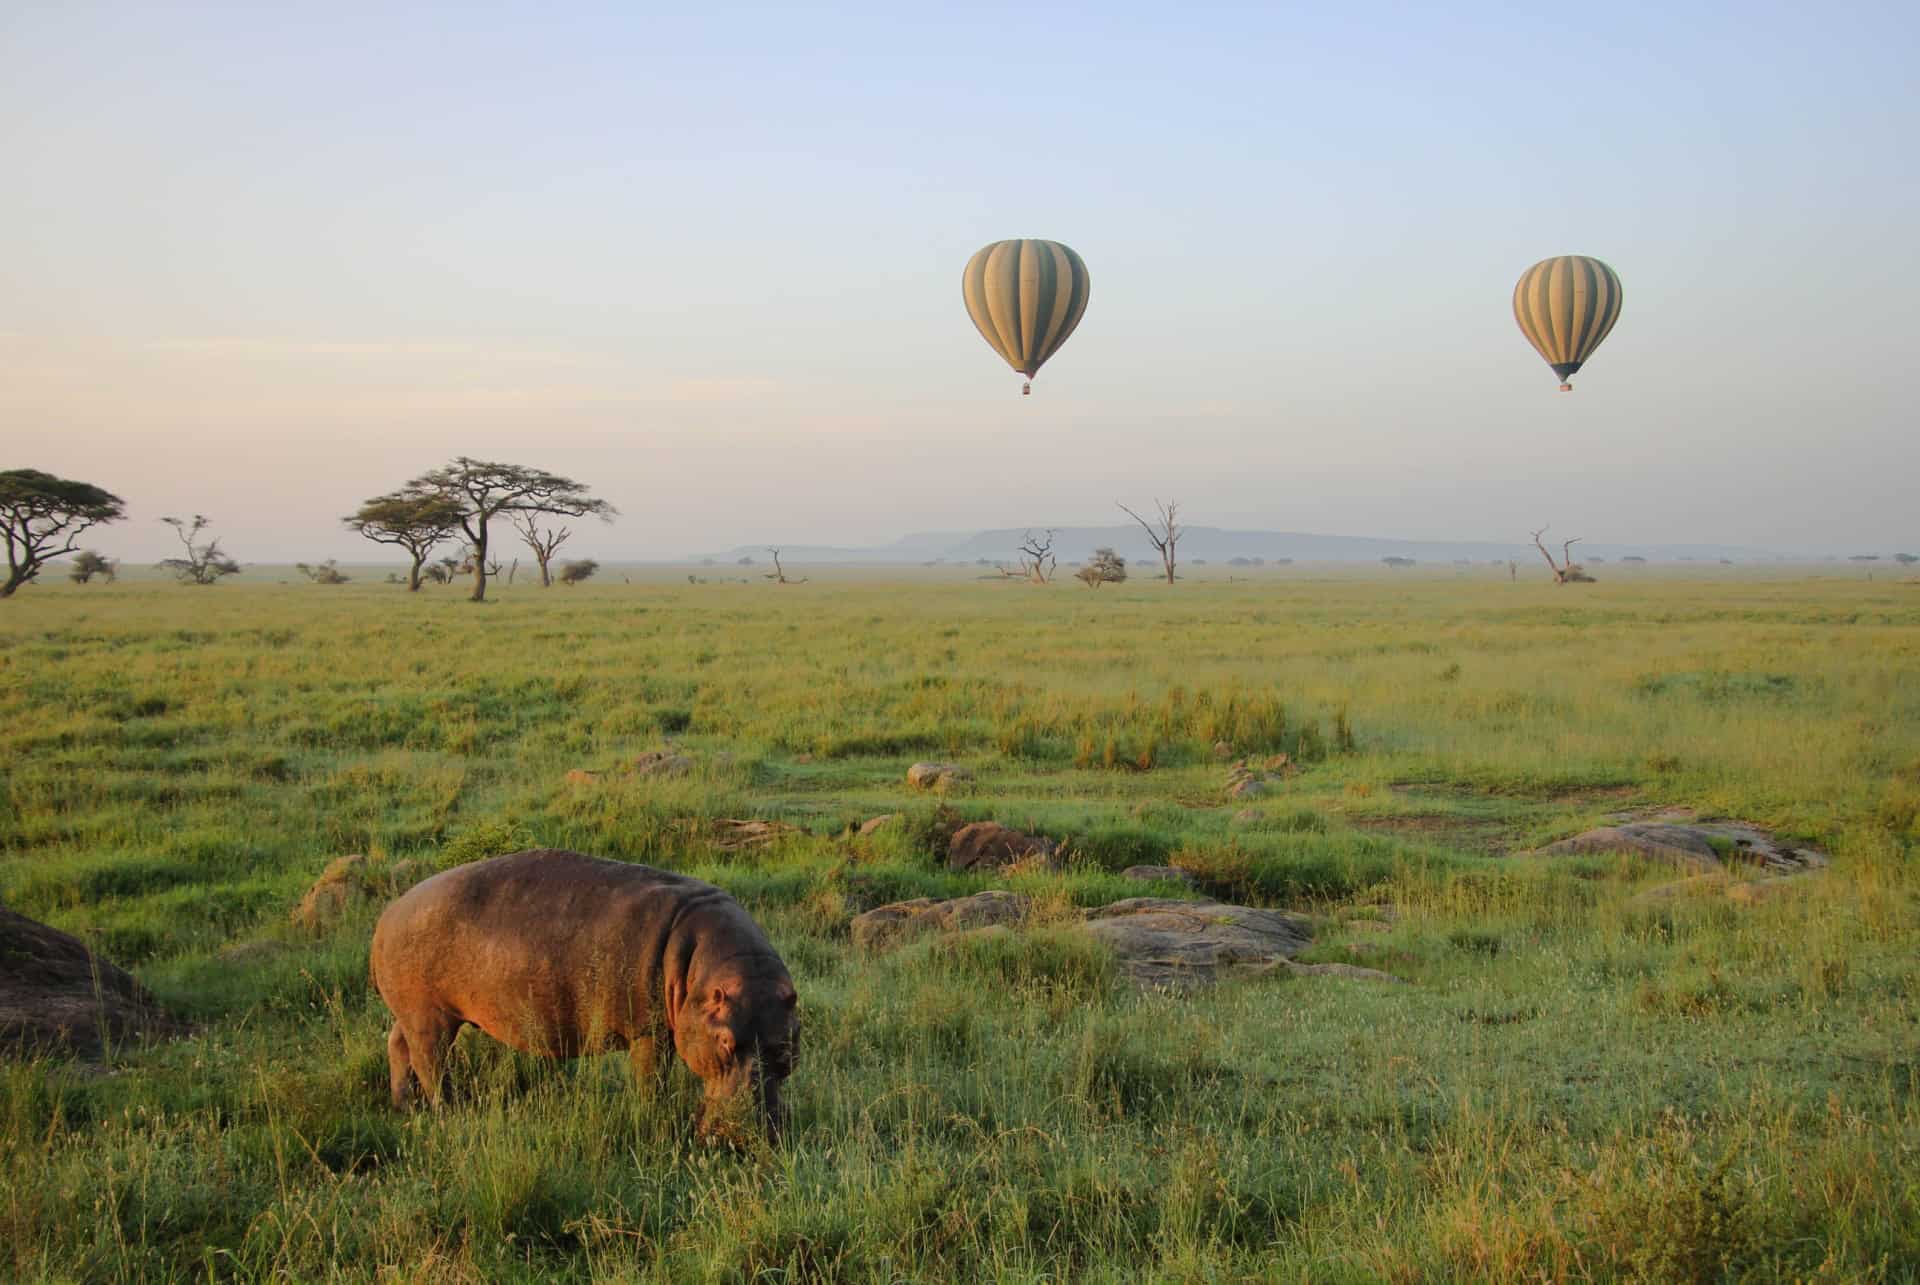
1074	543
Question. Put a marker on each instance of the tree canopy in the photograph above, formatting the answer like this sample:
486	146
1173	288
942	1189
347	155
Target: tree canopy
482	490
417	522
43	516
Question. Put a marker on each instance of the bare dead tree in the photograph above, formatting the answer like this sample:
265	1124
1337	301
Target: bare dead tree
203	564
543	543
1165	535
1566	571
1037	559
779	574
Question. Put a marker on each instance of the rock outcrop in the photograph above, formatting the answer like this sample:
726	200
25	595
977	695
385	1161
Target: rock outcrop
56	996
937	776
1162	943
1689	844
988	845
904	920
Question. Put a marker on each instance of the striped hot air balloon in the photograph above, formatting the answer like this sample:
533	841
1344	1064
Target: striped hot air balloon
1565	307
1025	297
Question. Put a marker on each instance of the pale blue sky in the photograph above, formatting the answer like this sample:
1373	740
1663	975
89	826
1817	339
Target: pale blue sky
263	261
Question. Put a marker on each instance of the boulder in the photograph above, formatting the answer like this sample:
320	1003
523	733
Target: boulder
662	763
1163	943
1183	945
936	776
1700	846
1148	874
904	920
988	845
56	996
344	881
1247	787
874	825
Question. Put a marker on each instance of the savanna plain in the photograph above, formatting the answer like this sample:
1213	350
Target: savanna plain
1572	1080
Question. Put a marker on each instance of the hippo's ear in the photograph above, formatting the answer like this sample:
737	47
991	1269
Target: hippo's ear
790	998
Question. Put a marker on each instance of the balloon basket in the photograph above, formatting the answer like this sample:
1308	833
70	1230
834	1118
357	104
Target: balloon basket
1026	390
1566	388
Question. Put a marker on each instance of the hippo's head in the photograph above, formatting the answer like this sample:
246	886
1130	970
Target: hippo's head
741	1036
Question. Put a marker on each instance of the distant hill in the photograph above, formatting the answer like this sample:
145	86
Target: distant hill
1219	544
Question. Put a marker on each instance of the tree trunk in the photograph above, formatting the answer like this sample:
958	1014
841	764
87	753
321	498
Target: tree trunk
546	577
413	573
1168	559
14	581
480	566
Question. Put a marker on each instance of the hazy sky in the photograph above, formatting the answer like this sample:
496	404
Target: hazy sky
262	261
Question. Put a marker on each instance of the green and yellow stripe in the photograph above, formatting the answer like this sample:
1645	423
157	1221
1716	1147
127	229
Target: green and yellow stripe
1565	306
1025	298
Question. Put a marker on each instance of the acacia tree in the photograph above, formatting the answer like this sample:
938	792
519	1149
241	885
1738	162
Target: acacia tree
92	563
327	572
204	563
417	523
42	518
1165	534
1104	567
483	490
543	543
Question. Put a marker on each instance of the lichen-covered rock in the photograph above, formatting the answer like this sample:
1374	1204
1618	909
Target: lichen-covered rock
1700	846
664	763
344	881
905	920
1182	945
937	776
56	996
988	845
1150	874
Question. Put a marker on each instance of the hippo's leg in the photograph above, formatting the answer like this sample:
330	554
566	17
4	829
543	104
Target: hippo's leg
399	1067
427	1040
773	1108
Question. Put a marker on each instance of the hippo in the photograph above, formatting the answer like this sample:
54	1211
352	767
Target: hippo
563	955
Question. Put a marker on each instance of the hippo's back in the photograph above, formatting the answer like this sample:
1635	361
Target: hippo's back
558	931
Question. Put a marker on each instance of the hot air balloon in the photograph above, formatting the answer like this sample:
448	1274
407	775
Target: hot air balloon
1025	297
1565	307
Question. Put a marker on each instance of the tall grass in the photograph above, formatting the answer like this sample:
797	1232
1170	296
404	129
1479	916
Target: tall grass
1576	1084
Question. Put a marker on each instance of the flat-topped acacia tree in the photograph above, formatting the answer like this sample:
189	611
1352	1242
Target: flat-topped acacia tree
42	518
417	523
482	490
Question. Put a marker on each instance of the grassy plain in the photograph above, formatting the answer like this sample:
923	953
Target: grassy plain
1573	1085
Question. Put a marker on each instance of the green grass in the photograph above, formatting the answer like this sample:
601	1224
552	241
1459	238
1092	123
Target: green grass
1573	1085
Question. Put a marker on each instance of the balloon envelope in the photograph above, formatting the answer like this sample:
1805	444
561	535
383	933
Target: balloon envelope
1565	306
1025	298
